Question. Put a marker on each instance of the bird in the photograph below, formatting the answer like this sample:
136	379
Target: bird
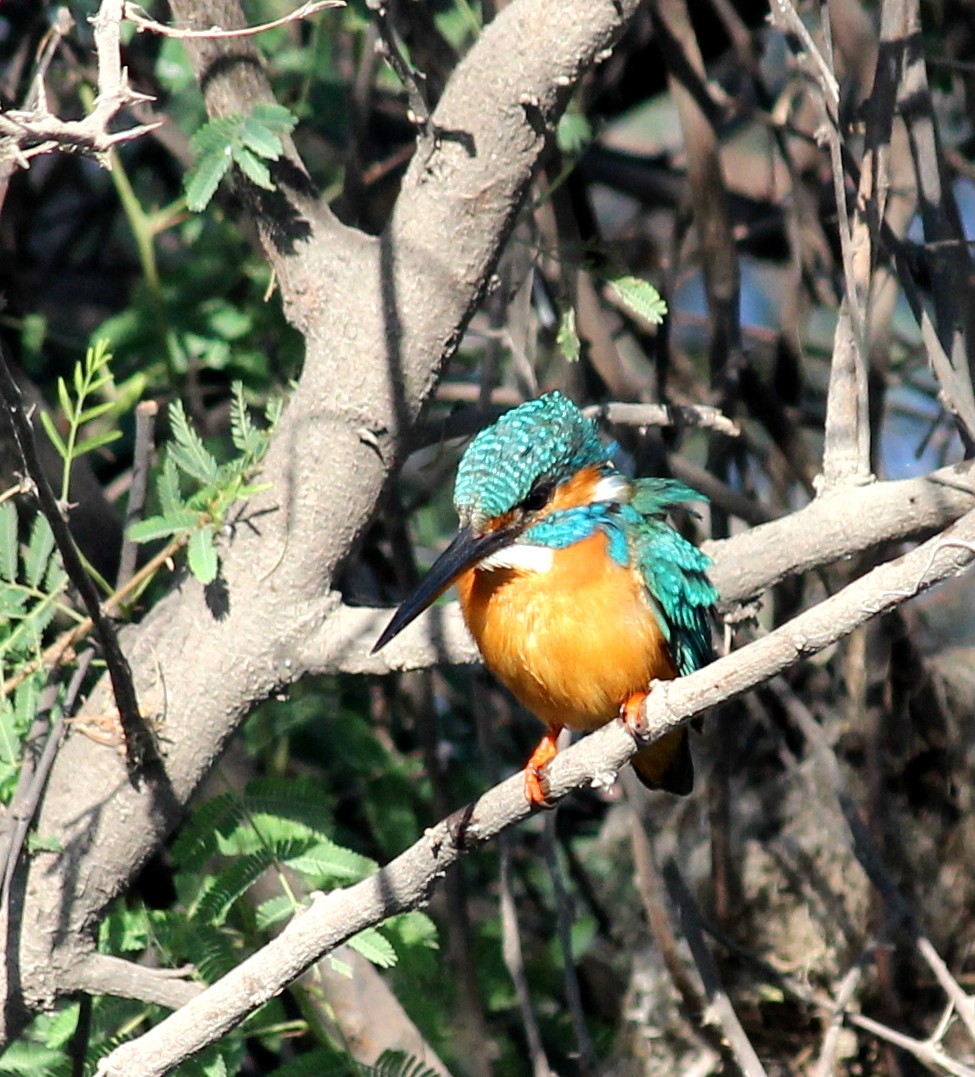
577	590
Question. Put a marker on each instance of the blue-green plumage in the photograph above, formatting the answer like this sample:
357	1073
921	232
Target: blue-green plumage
546	441
574	584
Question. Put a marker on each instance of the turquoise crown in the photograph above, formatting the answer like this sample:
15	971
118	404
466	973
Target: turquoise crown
542	441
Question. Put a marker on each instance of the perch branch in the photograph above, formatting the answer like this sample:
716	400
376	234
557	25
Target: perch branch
408	880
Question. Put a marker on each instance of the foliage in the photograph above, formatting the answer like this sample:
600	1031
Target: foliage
199	515
32	586
92	377
246	141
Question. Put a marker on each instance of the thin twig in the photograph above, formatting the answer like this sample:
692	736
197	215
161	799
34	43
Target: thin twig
588	1063
514	962
719	1005
145	414
33	778
700	416
511	949
923	1050
61	648
134	14
827	1055
392	50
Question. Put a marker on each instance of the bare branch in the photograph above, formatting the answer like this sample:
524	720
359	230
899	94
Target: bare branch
103	974
133	13
719	1009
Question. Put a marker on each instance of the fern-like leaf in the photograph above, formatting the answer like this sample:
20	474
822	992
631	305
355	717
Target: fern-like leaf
199	840
230	885
192	457
374	947
397	1064
640	297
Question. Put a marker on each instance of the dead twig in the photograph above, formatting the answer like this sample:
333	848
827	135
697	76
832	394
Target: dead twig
134	14
719	1008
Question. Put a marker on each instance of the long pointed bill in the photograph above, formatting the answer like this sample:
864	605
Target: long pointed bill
467	549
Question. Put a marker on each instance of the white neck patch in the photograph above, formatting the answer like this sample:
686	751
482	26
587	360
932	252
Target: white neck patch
519	556
613	487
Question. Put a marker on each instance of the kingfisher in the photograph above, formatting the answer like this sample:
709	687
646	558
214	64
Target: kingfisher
577	590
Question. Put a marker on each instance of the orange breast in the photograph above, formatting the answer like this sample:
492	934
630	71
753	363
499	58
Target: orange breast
571	643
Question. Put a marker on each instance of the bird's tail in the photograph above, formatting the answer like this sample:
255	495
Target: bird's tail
667	764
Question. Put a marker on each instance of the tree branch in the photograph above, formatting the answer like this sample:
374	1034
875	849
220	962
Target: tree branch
393	310
845	523
407	882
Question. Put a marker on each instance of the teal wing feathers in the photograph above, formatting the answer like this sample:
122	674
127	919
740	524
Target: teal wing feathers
675	572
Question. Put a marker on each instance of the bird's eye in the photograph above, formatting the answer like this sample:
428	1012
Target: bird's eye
538	497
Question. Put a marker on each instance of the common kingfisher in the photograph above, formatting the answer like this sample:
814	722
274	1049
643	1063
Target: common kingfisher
576	589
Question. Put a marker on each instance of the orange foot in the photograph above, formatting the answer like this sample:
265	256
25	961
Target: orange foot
632	714
543	754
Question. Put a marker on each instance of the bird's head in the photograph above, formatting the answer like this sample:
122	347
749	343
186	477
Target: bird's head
539	458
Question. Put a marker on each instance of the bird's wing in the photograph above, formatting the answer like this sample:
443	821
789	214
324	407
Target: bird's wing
675	574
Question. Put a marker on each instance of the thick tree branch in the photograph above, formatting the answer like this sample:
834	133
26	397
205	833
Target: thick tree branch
407	882
380	318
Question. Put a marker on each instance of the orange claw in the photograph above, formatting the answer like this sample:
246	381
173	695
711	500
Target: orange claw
631	713
546	750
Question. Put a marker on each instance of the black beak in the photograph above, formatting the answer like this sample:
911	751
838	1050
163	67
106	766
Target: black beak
467	549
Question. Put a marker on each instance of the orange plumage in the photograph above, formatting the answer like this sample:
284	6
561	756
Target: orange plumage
574	644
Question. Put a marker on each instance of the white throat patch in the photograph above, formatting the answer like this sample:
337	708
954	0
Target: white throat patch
613	487
519	556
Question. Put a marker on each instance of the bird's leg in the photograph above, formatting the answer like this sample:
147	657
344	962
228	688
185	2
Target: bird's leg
632	714
543	754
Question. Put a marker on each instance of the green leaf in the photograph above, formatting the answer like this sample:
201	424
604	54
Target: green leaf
170	499
274	117
157	527
236	879
189	453
215	136
8	541
640	297
253	167
52	432
9	735
326	862
44	843
96	441
273	911
124	929
202	180
374	947
573	134
202	555
39	550
246	437
198	841
568	337
259	138
396	1064
95	411
64	396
